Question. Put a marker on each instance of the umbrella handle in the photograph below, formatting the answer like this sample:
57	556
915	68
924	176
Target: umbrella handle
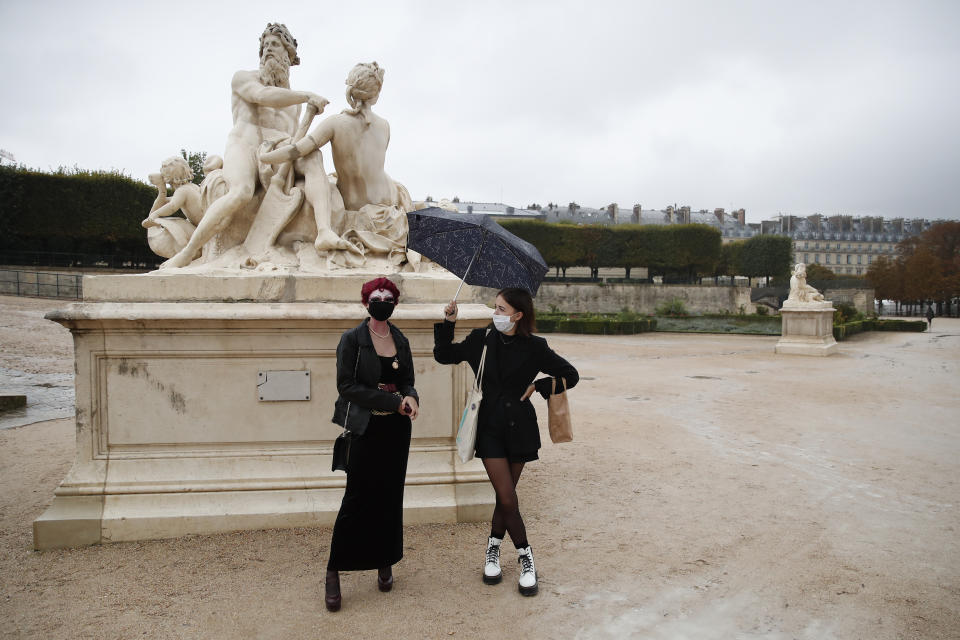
469	266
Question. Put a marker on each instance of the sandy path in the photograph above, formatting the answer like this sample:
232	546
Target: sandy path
715	491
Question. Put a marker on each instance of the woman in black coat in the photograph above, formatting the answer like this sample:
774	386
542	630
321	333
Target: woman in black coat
376	404
507	433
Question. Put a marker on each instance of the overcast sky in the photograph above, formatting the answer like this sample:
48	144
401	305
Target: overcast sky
773	106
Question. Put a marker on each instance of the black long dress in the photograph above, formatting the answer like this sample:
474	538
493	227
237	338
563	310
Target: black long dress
368	533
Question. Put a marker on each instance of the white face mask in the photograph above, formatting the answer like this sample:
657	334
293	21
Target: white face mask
503	323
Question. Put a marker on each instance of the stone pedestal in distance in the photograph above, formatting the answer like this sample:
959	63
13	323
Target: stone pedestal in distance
807	329
175	435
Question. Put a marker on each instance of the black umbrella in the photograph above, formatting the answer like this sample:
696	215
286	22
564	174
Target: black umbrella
476	248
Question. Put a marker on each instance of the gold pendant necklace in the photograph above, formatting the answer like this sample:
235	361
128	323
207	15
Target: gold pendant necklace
396	363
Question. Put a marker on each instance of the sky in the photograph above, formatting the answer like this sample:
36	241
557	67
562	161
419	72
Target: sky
839	107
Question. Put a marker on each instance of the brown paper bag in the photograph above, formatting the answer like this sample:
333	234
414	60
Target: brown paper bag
561	430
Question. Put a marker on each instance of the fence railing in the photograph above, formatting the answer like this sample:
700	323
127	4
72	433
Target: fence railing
38	284
78	260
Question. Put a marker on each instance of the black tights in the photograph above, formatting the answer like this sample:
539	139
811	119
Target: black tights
504	476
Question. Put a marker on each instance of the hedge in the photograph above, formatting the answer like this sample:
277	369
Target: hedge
844	331
594	326
687	250
73	212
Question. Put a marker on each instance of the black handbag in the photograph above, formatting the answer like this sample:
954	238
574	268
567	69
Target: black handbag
341	446
341	451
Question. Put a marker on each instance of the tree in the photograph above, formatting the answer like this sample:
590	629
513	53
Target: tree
817	272
635	247
594	253
882	276
923	276
696	249
767	256
196	161
729	262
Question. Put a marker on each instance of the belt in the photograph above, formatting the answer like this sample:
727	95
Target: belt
389	387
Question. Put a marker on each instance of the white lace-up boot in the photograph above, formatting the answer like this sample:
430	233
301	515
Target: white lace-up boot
528	573
491	567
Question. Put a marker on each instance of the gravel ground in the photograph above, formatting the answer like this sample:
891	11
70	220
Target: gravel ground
714	491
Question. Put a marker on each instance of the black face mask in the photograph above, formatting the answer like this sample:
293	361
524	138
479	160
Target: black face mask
380	310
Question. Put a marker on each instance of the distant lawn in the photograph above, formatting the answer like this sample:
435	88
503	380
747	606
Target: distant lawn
755	325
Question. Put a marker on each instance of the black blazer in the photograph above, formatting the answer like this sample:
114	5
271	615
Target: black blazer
502	389
359	393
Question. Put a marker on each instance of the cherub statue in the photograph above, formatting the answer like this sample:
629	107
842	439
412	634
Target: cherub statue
186	196
167	236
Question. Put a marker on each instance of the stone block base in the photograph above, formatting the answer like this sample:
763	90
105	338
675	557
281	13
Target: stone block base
807	331
73	521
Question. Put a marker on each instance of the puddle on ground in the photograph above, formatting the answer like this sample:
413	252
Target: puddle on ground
49	396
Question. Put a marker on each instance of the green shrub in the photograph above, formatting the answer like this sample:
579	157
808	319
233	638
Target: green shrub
845	313
762	310
546	325
843	331
626	315
672	307
595	324
899	325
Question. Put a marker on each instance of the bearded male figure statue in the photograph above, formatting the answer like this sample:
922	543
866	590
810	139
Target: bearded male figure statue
264	109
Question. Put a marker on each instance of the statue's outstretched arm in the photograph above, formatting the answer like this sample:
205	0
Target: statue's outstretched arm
249	87
321	135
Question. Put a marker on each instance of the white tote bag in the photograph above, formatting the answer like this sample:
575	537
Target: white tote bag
467	431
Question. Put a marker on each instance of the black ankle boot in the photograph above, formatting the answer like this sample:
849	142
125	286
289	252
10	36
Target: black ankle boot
385	578
332	598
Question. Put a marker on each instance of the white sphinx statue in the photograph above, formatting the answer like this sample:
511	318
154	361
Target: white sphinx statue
802	294
271	203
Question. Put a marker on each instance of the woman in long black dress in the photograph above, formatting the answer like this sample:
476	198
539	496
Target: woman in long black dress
507	433
376	404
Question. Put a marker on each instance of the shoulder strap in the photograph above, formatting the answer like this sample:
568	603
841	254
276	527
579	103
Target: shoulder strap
356	368
483	359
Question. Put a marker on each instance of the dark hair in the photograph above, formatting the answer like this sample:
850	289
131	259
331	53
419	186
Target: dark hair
379	283
521	300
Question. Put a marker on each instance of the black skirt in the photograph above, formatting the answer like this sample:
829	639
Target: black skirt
368	533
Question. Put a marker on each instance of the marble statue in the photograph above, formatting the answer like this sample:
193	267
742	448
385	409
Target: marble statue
802	294
168	236
269	203
806	327
373	219
264	108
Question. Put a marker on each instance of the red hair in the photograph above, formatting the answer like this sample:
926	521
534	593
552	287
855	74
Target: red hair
380	283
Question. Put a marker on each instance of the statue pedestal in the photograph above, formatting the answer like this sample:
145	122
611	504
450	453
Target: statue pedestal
176	436
807	330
